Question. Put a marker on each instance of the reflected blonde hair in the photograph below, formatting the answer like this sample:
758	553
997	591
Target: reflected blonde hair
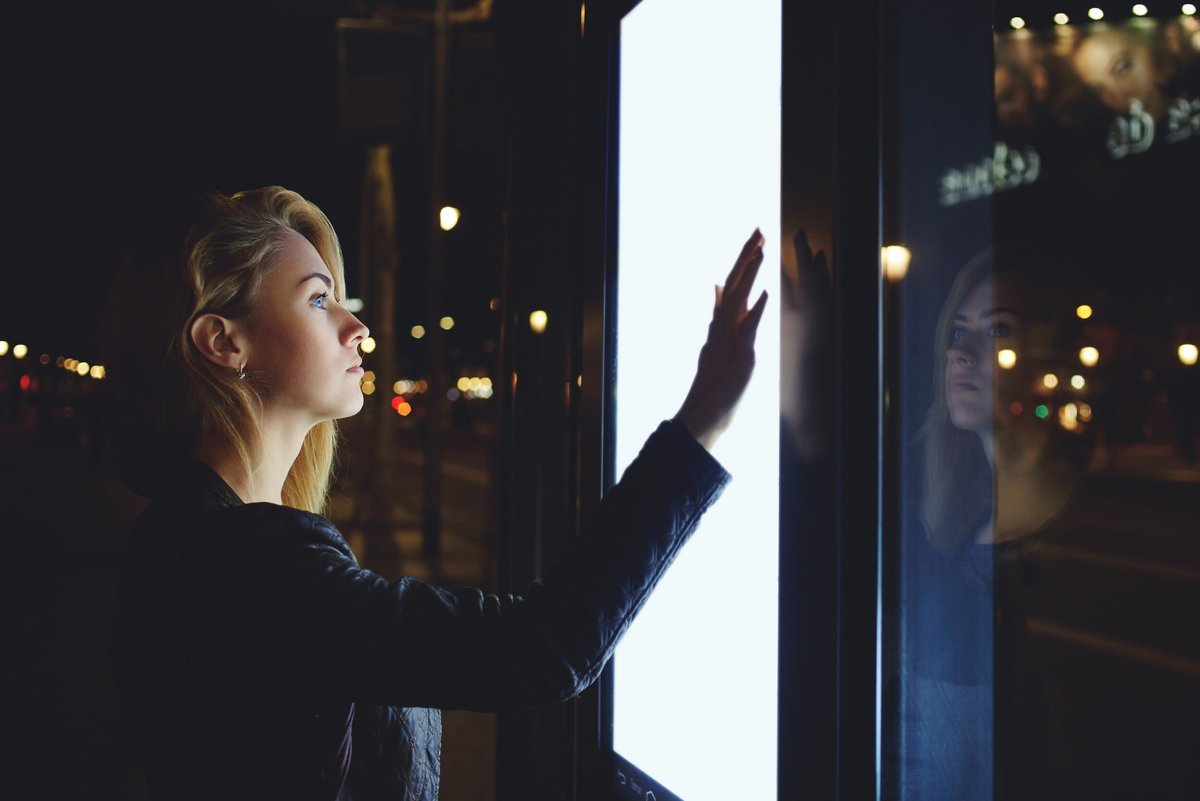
208	258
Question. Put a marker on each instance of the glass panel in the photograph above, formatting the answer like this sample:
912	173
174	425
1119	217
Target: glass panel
1040	599
699	170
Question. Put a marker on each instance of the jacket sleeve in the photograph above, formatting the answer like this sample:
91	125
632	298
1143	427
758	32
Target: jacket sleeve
298	614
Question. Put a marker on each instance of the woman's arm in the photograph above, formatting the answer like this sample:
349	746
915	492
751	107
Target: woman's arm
300	616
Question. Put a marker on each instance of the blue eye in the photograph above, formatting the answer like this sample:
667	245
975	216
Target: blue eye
958	336
1000	330
319	300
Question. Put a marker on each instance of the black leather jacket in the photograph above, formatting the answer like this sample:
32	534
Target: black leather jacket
256	656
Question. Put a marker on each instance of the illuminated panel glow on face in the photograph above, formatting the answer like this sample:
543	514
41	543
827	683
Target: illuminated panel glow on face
695	688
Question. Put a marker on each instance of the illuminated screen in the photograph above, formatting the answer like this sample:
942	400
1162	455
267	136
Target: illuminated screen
695	676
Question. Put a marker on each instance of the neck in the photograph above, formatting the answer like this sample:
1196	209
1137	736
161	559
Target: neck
1031	485
271	459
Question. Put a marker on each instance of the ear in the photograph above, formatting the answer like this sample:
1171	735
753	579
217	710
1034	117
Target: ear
220	340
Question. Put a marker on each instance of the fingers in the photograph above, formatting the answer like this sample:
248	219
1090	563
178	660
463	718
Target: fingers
753	244
748	329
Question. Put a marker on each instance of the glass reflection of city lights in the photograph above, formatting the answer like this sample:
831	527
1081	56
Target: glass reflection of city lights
1083	311
895	260
367	345
418	331
3	347
1006	358
1095	13
19	351
1042	411
1088	356
1078	381
368	387
538	320
1188	9
1139	9
1188	353
1050	381
82	368
446	323
1017	23
1061	19
448	217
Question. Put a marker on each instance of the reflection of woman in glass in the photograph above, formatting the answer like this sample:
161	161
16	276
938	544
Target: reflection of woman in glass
999	473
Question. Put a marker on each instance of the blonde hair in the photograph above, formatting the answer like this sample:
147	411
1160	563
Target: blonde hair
168	396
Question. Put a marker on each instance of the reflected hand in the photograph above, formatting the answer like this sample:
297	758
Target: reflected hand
727	358
805	328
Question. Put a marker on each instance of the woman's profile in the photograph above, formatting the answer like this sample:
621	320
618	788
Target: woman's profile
254	655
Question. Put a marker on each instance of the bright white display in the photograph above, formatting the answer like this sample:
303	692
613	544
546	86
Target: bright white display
695	676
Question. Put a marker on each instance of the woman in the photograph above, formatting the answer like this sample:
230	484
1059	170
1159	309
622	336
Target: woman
981	720
257	659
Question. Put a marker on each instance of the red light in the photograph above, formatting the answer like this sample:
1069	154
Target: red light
1016	408
396	401
25	382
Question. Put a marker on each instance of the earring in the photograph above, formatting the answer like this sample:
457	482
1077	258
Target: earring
241	371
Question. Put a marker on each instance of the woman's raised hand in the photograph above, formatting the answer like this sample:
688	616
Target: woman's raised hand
727	358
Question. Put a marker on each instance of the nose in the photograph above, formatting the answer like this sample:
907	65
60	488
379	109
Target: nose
963	354
354	332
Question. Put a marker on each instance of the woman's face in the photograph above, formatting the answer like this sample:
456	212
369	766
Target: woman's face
984	325
302	342
1120	69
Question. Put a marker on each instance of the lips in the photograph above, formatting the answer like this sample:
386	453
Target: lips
355	368
960	385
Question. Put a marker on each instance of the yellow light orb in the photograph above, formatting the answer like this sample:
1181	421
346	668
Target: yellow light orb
1083	311
3	347
1006	358
1061	19
1050	381
418	331
82	368
1088	356
1188	9
446	323
369	375
1095	13
404	409
463	384
1188	353
895	260
1078	381
1139	9
367	345
1017	23
19	351
448	217
368	387
538	321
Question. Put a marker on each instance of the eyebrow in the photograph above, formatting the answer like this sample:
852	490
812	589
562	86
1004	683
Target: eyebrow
991	313
322	276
